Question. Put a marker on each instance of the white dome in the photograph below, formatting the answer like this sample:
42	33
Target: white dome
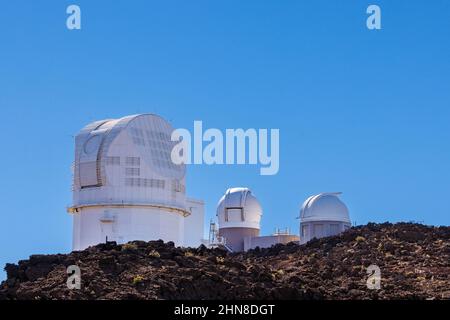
128	160
324	207
239	208
126	187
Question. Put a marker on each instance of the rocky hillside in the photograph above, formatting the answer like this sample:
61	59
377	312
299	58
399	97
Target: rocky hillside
414	262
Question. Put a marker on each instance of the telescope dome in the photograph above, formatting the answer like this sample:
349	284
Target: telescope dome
239	215
126	186
324	206
239	208
323	215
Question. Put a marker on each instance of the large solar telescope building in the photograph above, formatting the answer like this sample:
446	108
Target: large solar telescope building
125	186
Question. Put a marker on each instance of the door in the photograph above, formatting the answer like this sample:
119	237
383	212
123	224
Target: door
305	233
318	231
107	232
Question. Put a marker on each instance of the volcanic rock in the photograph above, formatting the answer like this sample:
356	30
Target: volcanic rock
414	261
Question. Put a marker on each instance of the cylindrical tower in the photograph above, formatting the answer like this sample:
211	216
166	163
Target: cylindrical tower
239	215
323	215
125	185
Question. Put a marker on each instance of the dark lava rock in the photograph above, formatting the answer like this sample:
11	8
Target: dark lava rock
414	261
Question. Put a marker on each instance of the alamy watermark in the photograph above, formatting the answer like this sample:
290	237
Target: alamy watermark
374	280
236	146
374	20
73	22
74	277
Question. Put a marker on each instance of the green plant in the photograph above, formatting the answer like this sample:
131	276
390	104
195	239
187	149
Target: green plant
137	279
129	246
154	254
220	260
421	278
278	274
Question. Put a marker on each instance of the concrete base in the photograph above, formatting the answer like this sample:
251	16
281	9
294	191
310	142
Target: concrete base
319	229
269	241
234	237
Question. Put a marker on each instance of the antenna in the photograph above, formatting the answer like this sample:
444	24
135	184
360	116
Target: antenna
212	232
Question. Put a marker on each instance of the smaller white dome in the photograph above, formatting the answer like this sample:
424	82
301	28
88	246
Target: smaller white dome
324	207
239	208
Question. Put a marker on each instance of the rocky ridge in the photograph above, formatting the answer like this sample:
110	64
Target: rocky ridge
414	261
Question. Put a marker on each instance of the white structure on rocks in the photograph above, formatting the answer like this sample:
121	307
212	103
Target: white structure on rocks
323	215
126	187
239	216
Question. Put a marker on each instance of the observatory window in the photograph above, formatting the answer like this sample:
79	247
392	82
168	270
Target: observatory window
88	174
134	182
161	184
146	183
132	171
234	214
155	183
113	161
133	161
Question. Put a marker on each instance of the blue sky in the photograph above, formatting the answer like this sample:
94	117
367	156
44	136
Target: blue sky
362	112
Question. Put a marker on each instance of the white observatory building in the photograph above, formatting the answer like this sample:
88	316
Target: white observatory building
239	216
323	215
125	186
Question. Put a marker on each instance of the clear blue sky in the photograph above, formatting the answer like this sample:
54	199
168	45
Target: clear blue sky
362	112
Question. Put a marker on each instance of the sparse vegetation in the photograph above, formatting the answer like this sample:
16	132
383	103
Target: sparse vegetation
129	246
278	274
154	254
413	260
220	260
137	279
